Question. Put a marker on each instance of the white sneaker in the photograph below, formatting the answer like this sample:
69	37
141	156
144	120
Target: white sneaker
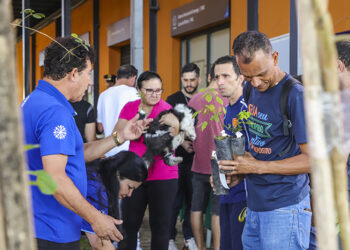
138	246
172	245
191	244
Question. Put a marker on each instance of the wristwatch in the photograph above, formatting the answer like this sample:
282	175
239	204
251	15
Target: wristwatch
116	138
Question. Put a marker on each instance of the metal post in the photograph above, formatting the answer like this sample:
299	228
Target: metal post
66	17
293	39
253	15
58	27
137	34
96	39
153	8
26	49
33	61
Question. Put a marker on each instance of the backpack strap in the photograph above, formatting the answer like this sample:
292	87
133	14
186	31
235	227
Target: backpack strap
287	124
247	92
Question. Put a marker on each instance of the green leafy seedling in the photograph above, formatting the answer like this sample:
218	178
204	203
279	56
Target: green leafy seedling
241	119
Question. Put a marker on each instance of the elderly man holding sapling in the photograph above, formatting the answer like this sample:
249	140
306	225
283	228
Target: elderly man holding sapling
277	164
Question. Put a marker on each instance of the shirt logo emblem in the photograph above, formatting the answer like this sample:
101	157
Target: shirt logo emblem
60	132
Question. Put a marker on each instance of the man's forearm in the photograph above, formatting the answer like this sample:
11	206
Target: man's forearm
298	164
69	196
95	149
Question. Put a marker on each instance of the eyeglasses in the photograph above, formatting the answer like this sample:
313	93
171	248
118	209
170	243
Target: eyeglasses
153	91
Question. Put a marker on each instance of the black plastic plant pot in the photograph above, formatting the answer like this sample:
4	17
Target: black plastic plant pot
223	149
219	181
238	146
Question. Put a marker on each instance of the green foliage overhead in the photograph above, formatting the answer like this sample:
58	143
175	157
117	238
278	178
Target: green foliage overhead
38	15
30	12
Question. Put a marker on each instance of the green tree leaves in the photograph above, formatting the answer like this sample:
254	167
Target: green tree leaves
44	181
30	12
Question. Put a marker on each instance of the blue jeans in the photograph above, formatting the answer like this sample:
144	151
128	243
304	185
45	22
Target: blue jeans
283	228
313	243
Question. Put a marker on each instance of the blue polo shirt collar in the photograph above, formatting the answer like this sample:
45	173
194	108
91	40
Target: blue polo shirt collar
51	90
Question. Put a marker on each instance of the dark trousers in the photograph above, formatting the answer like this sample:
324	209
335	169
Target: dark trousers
231	227
184	194
50	245
159	196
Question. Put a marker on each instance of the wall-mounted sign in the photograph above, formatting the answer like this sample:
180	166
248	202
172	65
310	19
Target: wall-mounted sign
198	14
118	32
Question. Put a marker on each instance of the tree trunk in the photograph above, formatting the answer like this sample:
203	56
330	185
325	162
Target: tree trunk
322	90
15	215
322	182
334	126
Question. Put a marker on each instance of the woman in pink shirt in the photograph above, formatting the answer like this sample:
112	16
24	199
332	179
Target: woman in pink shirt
160	188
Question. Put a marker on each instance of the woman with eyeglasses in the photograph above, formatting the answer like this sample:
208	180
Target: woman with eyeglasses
159	190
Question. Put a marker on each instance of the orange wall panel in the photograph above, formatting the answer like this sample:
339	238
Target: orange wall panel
273	17
114	60
41	43
340	12
168	48
111	11
238	19
19	72
82	19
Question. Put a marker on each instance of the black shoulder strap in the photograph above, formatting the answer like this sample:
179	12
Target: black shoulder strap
287	124
284	105
248	89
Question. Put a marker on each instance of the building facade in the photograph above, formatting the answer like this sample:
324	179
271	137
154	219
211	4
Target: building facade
196	31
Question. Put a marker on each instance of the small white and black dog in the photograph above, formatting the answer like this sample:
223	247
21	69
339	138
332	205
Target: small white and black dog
159	140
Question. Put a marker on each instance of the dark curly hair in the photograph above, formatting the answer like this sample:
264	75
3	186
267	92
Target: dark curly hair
248	43
145	76
190	67
343	48
58	63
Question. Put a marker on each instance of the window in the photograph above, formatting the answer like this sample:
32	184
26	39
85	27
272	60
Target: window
204	48
125	54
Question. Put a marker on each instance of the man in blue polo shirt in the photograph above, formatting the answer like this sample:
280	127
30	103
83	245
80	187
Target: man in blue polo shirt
276	167
230	82
48	121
